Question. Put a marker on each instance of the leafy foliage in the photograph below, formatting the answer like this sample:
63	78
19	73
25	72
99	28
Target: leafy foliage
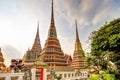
106	41
107	38
105	75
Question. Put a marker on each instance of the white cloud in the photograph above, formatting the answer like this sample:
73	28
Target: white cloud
89	13
67	45
86	11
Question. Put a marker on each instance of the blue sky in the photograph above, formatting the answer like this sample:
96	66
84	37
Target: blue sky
18	22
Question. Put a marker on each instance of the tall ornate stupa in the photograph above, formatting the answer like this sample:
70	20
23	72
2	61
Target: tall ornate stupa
1	60
32	55
78	56
37	46
52	53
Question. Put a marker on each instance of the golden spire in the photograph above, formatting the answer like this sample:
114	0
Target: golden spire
77	43
78	56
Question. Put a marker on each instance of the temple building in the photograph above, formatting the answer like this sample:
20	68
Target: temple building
32	55
1	60
52	53
50	62
78	61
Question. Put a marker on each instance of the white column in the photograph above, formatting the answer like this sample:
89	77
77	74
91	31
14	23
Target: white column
44	74
33	71
8	78
20	77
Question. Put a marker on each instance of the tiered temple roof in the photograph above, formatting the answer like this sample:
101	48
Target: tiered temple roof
52	54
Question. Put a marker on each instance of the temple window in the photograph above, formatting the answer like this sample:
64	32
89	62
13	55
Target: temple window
69	75
65	75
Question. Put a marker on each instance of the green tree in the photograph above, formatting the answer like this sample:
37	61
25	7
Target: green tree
107	40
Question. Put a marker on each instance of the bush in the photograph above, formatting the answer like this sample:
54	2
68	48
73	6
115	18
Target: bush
110	71
105	75
94	77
